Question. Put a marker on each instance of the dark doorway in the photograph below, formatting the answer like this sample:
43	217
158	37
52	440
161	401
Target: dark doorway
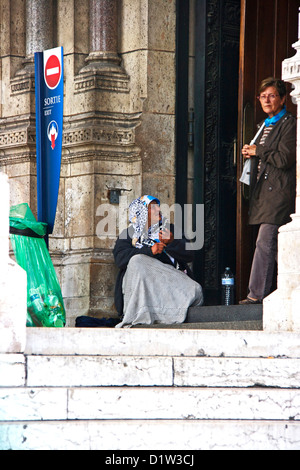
216	104
237	44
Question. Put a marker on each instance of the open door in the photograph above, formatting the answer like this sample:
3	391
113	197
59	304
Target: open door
268	30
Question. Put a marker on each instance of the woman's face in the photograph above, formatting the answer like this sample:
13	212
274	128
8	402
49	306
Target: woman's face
270	101
154	215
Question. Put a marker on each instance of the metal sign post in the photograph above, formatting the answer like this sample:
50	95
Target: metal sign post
49	93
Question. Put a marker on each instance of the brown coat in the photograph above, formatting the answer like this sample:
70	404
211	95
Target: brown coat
272	196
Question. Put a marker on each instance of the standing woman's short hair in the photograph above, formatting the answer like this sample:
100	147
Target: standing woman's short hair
275	82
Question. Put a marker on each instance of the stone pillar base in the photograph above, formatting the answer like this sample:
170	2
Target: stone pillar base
88	283
281	309
13	286
13	308
102	76
276	312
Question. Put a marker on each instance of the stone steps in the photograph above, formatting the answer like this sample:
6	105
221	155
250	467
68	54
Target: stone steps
150	436
160	342
227	325
152	371
220	317
222	313
164	388
144	403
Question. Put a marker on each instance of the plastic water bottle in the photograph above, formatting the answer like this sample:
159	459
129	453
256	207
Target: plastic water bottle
55	309
52	300
36	308
227	287
36	300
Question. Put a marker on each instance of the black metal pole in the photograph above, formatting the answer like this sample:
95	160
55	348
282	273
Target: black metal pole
181	107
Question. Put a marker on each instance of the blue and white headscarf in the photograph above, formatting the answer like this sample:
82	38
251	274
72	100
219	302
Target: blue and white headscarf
138	217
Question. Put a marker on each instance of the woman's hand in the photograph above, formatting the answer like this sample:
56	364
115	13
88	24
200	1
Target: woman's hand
158	248
166	236
249	151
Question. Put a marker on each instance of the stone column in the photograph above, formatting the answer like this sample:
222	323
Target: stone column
281	309
103	69
39	31
99	159
103	34
17	135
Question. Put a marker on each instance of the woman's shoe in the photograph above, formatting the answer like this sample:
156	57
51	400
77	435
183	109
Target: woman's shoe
248	301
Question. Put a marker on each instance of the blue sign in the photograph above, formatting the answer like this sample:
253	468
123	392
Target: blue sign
49	94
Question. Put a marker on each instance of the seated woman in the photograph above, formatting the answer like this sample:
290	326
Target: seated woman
154	283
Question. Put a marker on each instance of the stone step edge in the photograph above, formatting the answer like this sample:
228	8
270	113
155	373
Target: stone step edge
73	403
211	325
161	342
158	371
188	435
223	313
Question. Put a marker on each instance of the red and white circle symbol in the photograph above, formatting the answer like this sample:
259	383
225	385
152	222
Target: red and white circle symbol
52	132
52	71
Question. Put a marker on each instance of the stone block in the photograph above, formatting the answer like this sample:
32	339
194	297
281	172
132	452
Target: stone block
183	403
162	27
22	404
100	285
236	372
277	312
13	308
161	342
134	435
102	278
131	33
295	301
157	143
59	223
4	225
75	277
161	82
160	186
13	286
81	243
278	307
12	370
79	197
95	371
75	307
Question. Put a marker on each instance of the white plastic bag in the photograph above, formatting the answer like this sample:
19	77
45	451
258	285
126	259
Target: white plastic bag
245	178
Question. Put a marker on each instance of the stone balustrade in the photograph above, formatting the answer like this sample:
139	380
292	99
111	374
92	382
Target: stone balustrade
281	310
13	285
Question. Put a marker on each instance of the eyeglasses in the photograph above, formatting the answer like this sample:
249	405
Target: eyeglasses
265	97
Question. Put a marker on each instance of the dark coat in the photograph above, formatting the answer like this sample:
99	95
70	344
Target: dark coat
123	252
272	196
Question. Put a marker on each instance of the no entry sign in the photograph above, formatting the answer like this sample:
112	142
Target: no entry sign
49	95
52	71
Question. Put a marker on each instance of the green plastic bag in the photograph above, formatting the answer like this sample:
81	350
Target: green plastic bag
45	306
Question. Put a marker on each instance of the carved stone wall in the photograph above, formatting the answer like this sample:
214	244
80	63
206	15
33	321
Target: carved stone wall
147	47
118	125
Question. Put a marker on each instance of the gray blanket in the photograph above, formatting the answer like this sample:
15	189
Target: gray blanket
157	293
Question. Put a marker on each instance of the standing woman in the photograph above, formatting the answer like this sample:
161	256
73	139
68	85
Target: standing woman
154	283
272	184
